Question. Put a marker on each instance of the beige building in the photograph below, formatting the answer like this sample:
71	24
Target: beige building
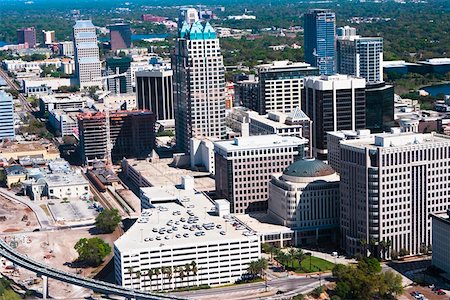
305	198
15	150
244	166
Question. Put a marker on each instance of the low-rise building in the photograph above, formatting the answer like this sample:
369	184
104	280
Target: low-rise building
181	233
64	122
15	150
50	102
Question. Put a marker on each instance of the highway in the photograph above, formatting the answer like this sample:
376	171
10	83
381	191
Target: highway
25	104
97	286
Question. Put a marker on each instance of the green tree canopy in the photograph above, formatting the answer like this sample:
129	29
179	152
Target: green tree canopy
92	251
108	220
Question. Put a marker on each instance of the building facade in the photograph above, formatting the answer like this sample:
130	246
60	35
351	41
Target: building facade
87	58
48	37
379	107
441	241
119	75
361	57
390	184
120	36
199	85
281	84
27	35
243	168
6	116
247	93
333	103
131	133
305	198
319	40
66	49
154	91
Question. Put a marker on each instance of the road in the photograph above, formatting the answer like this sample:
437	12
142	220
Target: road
288	285
44	221
12	85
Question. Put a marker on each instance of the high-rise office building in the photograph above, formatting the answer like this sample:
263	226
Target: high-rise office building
119	75
120	36
131	133
244	166
6	116
319	40
361	57
87	62
246	93
379	107
391	183
281	85
199	85
27	35
66	49
154	91
333	103
48	37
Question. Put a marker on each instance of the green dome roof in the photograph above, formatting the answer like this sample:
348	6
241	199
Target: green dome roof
308	167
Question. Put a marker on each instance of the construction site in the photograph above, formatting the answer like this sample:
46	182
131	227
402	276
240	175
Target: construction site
111	136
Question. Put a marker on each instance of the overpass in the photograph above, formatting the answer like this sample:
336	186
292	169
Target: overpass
98	286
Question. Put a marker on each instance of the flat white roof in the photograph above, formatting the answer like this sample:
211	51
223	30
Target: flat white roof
192	210
260	141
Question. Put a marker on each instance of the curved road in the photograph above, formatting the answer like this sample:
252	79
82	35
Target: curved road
105	288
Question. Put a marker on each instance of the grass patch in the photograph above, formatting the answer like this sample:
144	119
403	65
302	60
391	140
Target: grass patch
316	265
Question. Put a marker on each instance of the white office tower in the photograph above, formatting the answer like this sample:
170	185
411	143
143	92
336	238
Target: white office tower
48	37
360	57
390	184
6	116
345	31
199	85
87	63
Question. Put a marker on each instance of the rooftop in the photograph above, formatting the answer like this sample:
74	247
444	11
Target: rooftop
283	65
161	173
83	24
9	147
396	139
186	218
260	141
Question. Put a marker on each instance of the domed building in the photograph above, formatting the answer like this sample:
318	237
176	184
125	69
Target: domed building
305	197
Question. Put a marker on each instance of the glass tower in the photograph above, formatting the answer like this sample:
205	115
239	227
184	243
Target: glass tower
319	43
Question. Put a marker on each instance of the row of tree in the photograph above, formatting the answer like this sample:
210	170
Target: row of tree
181	272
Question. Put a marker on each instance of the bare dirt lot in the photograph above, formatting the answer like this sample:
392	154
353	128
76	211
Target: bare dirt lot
15	217
55	248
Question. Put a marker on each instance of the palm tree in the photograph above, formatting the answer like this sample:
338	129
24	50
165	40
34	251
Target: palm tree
187	269
157	273
138	276
181	273
169	273
299	256
194	270
291	254
150	274
253	268
131	271
262	265
373	246
363	244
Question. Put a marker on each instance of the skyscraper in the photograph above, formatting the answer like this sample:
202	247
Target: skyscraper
87	62
121	68
361	57
6	116
333	103
390	185
120	36
188	15
281	84
379	107
199	84
154	91
27	35
319	40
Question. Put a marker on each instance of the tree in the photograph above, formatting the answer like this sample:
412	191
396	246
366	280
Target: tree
107	220
392	284
69	140
169	274
194	270
92	251
394	254
403	252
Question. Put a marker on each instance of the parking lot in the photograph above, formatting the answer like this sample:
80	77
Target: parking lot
71	211
425	291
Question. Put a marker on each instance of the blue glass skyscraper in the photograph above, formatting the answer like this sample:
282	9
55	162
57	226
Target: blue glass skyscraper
319	40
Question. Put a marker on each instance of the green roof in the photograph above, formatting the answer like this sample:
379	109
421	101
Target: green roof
308	167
